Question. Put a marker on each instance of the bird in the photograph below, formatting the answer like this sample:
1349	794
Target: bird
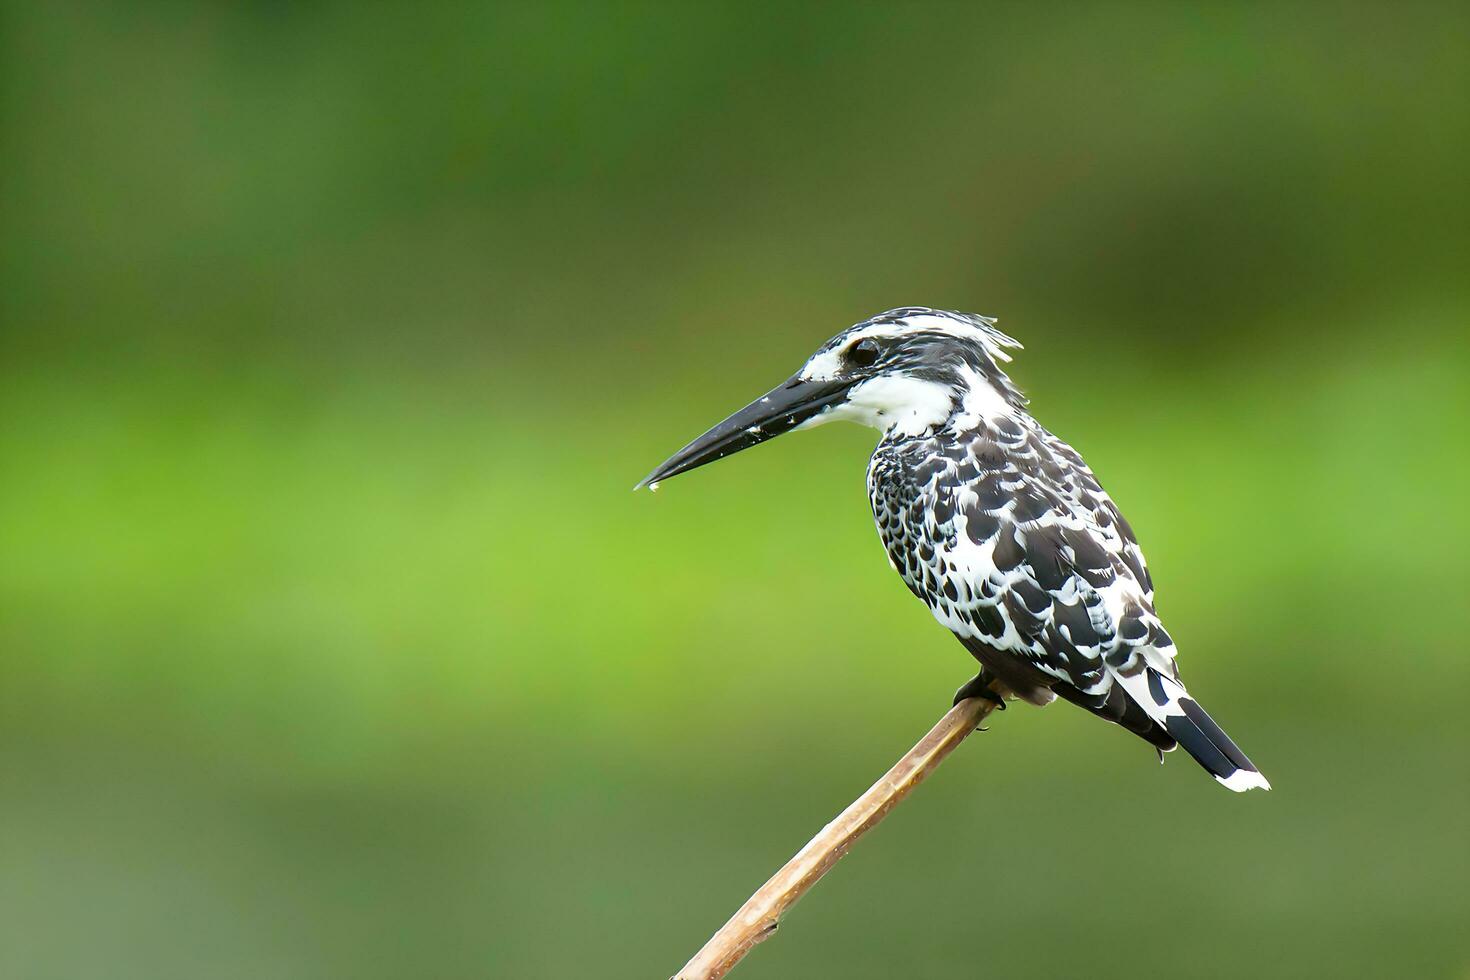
994	523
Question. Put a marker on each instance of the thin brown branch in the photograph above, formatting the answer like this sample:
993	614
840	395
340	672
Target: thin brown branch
759	916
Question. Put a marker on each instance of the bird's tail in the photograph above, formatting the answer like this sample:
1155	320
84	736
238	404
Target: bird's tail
1169	704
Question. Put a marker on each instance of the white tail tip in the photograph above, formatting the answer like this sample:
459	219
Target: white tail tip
1243	779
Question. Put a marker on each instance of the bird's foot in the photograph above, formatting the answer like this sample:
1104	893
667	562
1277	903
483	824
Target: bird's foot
979	687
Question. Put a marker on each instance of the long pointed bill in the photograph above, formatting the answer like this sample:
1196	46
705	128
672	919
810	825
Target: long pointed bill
779	410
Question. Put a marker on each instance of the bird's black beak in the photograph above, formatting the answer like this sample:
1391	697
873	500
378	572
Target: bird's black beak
779	410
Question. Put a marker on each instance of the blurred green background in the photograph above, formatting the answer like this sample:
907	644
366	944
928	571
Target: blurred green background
334	336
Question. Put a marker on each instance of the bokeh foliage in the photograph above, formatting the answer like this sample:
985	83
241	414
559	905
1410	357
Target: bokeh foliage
334	336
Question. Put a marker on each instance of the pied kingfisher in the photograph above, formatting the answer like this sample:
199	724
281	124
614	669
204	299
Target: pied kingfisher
995	523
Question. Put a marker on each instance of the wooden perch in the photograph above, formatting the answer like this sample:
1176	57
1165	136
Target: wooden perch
759	916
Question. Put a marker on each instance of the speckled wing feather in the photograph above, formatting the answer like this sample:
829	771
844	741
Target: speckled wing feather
1007	536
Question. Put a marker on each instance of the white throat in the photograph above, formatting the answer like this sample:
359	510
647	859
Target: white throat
910	406
907	406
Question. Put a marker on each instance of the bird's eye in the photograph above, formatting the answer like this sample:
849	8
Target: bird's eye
864	353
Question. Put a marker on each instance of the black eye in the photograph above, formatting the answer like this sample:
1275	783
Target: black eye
864	353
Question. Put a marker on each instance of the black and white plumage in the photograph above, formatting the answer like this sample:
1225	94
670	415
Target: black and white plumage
996	524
